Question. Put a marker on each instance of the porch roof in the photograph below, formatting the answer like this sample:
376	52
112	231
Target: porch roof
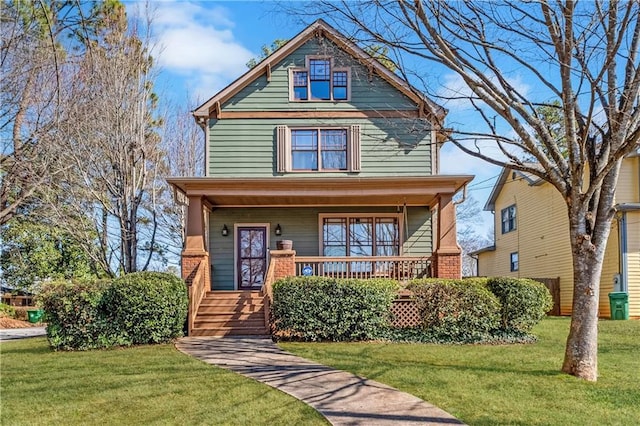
320	191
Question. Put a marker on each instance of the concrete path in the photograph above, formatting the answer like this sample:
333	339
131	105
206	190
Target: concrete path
343	398
21	333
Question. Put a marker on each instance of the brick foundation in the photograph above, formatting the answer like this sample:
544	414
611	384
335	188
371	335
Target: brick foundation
285	263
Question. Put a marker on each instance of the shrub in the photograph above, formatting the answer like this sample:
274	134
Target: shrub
75	315
320	308
147	307
7	310
524	302
21	313
139	308
455	310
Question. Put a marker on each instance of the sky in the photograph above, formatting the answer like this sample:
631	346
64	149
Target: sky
204	46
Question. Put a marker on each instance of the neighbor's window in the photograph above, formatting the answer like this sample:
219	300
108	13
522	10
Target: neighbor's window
514	261
319	81
508	216
318	149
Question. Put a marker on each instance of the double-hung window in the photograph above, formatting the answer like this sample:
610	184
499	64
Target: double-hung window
508	218
514	266
318	149
319	81
323	149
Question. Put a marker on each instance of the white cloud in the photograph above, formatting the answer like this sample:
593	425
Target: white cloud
198	44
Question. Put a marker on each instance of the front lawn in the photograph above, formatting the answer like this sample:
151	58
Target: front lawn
140	385
511	384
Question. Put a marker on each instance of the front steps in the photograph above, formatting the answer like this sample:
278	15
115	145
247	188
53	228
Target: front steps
231	313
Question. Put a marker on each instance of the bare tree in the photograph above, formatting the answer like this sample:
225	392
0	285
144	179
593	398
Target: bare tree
182	143
35	93
114	146
469	219
582	54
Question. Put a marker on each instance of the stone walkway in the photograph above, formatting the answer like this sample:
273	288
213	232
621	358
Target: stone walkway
343	398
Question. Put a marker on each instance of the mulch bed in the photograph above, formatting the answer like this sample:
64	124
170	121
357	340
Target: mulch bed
14	323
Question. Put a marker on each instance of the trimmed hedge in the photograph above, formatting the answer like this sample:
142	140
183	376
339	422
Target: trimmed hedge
147	307
75	315
139	308
321	308
523	302
455	310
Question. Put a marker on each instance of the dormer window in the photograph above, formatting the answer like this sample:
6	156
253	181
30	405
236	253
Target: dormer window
319	81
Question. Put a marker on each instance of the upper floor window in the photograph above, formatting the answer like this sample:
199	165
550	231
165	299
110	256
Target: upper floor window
508	216
319	81
318	149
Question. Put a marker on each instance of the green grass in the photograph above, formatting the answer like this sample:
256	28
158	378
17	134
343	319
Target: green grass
140	385
510	384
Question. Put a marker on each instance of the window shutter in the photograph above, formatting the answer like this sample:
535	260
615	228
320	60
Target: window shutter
354	149
283	143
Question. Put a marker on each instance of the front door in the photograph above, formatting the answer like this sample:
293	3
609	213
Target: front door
251	256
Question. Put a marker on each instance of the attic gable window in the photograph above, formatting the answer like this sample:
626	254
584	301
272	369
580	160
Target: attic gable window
319	81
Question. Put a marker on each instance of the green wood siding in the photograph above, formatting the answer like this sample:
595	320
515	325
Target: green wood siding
368	92
301	226
389	147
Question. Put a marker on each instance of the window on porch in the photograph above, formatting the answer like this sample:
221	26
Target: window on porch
360	236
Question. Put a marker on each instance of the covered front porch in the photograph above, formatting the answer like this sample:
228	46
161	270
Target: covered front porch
393	227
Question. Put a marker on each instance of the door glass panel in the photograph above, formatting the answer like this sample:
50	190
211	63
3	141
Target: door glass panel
252	257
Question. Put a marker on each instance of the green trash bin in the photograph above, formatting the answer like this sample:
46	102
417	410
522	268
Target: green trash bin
35	315
619	304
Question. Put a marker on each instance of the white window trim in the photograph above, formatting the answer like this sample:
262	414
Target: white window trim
322	216
307	69
283	147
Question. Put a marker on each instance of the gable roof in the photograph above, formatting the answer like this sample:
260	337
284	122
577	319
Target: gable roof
531	179
321	28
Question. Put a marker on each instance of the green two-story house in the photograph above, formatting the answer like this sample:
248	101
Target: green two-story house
321	146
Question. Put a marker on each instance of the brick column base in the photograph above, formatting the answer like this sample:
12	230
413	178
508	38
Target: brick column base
285	263
447	264
190	263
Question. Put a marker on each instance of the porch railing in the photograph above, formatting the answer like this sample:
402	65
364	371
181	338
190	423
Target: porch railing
401	268
267	291
197	290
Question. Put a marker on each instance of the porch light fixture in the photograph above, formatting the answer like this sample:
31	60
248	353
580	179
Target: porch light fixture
278	230
225	231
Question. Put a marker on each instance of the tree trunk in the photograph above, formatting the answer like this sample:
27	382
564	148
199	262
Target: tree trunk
581	353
